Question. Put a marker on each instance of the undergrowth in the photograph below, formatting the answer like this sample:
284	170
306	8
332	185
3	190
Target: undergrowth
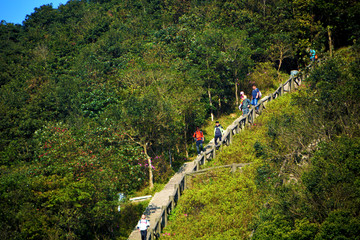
221	205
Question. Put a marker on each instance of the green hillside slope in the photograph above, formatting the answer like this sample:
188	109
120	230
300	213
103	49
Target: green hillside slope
304	180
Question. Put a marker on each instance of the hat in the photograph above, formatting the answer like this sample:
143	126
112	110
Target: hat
241	93
217	122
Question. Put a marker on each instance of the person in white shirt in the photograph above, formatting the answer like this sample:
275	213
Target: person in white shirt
143	225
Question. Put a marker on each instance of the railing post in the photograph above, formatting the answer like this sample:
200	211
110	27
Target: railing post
197	165
261	106
158	229
214	151
231	136
253	115
233	168
281	89
204	155
165	215
152	234
171	199
292	84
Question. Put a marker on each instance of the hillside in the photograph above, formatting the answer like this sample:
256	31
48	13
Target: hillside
303	183
101	97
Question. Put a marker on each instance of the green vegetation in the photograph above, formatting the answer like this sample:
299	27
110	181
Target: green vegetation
95	97
303	183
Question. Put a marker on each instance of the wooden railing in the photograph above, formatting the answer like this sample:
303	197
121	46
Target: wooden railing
161	221
239	124
234	167
211	150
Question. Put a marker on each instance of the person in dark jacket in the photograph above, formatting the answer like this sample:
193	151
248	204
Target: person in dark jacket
244	106
218	132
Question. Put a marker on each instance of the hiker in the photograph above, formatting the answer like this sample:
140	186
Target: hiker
199	139
312	55
242	97
255	96
143	225
245	104
218	132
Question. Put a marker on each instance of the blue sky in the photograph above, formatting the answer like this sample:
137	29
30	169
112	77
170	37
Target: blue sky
15	11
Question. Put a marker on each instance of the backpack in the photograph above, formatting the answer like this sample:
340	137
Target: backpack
259	94
245	103
218	131
198	135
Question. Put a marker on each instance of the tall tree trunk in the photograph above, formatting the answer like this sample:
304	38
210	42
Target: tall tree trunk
236	86
151	179
264	8
281	58
185	141
209	92
278	70
330	40
210	102
236	93
170	158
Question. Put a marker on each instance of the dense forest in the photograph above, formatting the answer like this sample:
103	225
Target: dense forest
97	96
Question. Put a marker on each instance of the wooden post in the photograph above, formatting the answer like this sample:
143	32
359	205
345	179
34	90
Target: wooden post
290	79
261	106
178	190
233	168
185	181
158	229
231	136
253	115
171	199
165	215
271	96
214	151
197	165
152	234
281	89
204	154
292	84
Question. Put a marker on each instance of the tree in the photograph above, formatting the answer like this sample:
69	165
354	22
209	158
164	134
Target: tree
205	52
145	118
237	57
280	49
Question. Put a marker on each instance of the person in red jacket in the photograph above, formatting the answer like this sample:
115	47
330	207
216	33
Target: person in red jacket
199	138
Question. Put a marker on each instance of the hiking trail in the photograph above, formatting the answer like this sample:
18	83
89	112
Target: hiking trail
163	202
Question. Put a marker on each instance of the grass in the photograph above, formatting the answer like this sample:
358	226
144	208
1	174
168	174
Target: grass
208	209
224	120
146	191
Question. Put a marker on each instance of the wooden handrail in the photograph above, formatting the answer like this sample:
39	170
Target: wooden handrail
236	127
